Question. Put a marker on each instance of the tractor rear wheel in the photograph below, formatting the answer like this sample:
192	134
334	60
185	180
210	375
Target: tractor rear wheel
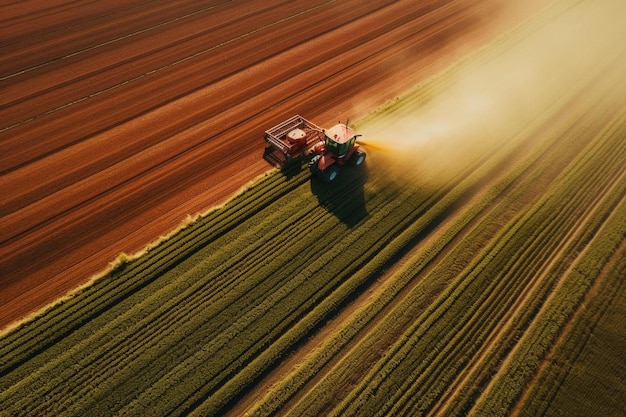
330	173
357	158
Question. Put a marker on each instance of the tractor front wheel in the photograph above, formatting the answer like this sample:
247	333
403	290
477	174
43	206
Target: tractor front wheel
357	158
330	173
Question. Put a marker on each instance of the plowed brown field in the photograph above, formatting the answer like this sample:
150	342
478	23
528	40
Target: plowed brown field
119	118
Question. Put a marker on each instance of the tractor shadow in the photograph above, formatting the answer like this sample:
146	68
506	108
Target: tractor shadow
344	197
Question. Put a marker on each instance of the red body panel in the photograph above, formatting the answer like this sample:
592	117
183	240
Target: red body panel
328	158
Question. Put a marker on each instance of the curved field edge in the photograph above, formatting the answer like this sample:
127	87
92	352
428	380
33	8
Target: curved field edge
420	93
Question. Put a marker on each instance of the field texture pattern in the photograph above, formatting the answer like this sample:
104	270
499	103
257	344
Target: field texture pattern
493	288
119	118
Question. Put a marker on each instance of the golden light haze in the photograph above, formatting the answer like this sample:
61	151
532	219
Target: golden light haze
484	100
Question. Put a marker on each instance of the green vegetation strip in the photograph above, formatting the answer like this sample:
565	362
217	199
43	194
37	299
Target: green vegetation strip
552	228
589	353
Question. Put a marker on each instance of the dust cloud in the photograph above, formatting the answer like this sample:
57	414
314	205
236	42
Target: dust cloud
484	101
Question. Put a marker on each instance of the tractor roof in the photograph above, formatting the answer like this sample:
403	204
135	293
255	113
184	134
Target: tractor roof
340	133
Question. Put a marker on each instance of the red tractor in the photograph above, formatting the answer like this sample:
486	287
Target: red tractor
332	148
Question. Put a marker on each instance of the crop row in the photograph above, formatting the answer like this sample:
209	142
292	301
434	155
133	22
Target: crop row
533	239
568	353
552	230
159	325
231	260
593	245
560	258
36	335
104	335
587	199
372	269
320	287
487	368
560	217
363	319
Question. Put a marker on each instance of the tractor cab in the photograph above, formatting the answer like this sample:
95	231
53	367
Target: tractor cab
339	147
339	140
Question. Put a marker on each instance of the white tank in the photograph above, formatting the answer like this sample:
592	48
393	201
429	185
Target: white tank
296	135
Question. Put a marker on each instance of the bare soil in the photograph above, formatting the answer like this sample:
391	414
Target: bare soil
119	118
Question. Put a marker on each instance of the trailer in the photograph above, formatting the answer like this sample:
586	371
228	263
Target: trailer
293	138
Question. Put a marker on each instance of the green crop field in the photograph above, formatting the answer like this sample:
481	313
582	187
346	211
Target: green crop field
485	278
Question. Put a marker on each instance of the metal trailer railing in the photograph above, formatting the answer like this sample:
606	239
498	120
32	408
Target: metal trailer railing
277	136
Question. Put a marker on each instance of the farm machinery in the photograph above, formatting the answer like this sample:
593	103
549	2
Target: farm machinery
330	148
